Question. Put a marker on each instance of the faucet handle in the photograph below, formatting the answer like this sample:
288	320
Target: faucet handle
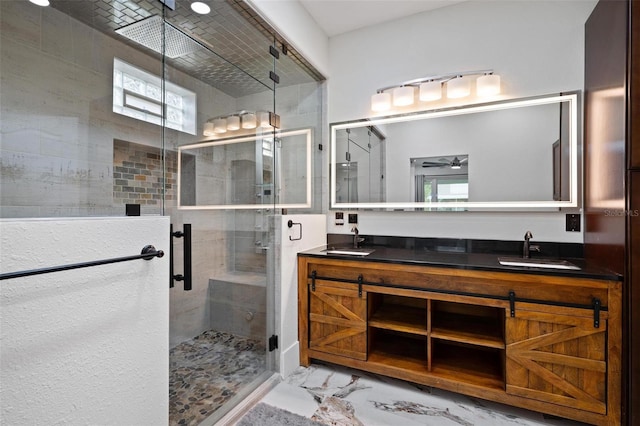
528	235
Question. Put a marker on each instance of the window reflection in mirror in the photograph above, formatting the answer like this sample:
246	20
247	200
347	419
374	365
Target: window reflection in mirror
441	179
524	155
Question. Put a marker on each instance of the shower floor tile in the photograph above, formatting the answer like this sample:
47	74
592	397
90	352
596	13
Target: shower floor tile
207	371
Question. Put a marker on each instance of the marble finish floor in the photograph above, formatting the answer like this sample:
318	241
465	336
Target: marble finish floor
207	371
340	396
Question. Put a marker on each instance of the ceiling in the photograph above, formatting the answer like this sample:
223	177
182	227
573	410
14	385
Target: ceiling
341	16
228	49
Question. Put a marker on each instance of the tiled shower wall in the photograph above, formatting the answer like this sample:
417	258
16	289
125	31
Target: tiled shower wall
138	176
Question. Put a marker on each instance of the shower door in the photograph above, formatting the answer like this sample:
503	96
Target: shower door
222	173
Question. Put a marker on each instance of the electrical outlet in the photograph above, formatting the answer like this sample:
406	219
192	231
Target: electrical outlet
353	218
573	223
339	218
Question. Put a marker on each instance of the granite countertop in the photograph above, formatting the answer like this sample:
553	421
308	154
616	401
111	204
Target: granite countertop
474	261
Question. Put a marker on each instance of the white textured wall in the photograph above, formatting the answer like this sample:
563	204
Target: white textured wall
537	47
87	346
314	234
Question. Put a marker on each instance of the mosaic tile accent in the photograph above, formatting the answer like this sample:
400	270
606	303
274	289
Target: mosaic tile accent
137	174
207	371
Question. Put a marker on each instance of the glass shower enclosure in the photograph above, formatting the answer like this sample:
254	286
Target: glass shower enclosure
114	106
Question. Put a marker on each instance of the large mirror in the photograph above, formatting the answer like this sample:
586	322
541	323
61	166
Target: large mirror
270	169
516	154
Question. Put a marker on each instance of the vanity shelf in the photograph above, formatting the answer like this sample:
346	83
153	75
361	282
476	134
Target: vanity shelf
408	315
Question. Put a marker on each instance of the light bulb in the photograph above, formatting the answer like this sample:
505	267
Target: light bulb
263	119
430	91
403	96
220	125
208	129
233	122
249	121
488	85
381	101
458	87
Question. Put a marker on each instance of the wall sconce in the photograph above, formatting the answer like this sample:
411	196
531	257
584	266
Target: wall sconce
245	120
458	85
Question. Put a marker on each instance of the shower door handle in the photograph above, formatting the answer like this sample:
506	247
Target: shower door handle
186	270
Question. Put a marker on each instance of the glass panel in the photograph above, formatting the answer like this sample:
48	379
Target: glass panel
299	99
64	151
219	329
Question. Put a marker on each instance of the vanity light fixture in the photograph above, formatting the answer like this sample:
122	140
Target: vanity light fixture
249	120
233	123
381	102
220	125
403	96
458	85
488	85
242	120
431	90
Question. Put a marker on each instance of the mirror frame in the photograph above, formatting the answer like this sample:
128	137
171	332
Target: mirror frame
227	141
570	97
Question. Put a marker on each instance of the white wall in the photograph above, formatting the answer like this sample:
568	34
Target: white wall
537	48
313	235
295	24
87	346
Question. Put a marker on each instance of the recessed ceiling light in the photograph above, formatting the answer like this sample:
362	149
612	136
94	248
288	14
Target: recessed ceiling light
199	7
40	2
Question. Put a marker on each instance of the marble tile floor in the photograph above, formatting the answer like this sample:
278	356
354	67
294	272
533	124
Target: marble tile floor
207	371
340	396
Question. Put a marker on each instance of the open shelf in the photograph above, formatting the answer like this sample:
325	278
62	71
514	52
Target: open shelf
407	319
477	365
482	331
399	350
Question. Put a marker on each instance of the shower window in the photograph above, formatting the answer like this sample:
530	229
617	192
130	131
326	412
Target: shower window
138	94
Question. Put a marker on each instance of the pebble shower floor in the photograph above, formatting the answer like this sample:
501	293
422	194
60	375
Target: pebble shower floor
207	371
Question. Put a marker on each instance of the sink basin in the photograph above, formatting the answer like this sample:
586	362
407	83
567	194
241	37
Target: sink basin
537	263
350	251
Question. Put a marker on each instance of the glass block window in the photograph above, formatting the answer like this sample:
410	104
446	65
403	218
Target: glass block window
138	94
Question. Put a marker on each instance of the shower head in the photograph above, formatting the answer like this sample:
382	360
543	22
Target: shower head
148	32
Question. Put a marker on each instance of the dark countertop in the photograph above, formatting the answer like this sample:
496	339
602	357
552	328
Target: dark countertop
474	261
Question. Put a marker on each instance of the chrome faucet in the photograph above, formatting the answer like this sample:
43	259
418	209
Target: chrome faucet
528	248
356	240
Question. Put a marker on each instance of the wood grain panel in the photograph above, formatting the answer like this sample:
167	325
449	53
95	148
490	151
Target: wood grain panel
337	320
561	360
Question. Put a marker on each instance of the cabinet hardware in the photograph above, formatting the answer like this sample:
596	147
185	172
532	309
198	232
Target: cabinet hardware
512	303
313	280
360	279
596	312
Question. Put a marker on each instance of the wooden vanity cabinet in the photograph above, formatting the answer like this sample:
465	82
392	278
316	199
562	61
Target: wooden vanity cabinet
547	343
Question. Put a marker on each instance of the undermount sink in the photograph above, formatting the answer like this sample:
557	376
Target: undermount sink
537	263
350	251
